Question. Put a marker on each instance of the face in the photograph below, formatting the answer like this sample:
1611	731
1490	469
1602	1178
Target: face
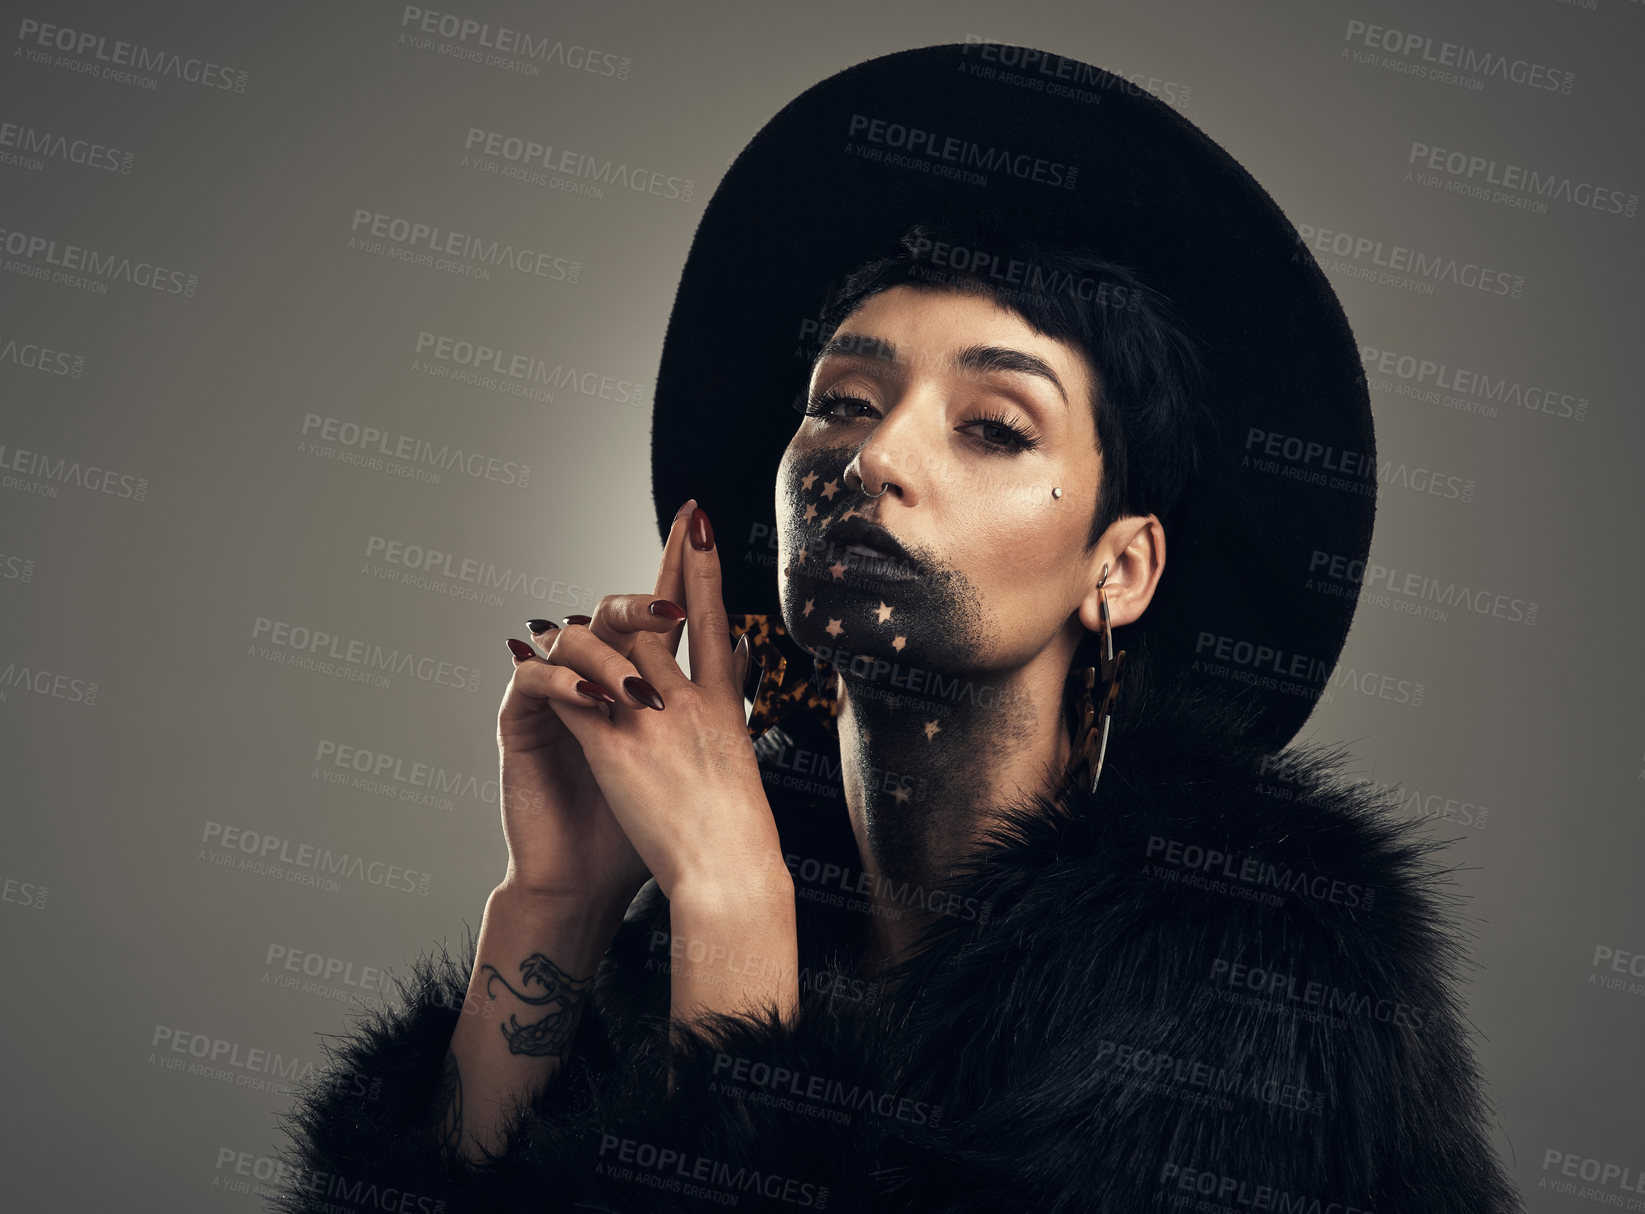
968	417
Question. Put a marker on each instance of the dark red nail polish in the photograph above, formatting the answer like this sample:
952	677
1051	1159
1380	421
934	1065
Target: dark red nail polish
595	692
577	619
702	535
668	610
520	649
538	627
642	691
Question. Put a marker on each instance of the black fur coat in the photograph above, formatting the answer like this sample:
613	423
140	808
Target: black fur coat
1224	982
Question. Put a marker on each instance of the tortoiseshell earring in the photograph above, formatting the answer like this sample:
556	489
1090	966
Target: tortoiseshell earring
1096	709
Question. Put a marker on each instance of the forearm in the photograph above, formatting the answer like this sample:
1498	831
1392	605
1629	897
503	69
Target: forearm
533	974
733	948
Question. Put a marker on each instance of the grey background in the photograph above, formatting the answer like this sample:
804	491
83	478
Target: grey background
121	928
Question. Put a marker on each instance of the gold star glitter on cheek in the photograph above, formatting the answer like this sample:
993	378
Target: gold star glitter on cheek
807	479
932	729
829	489
808	605
810	512
837	569
883	611
900	793
897	642
835	628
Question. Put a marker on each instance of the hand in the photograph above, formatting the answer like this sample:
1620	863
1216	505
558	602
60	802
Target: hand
682	781
563	840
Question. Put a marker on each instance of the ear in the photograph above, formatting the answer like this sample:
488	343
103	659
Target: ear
1133	548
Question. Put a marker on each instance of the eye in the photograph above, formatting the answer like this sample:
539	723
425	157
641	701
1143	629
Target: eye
1010	438
825	405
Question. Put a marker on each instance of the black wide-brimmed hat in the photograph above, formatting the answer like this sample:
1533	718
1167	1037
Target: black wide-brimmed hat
1073	155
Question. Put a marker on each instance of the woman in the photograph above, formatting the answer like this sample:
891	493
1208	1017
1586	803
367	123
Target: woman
937	941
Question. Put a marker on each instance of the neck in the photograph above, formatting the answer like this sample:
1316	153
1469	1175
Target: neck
924	770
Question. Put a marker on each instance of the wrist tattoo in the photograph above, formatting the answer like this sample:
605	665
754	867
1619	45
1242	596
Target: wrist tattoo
563	997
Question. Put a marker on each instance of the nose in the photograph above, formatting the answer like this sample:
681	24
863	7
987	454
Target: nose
894	457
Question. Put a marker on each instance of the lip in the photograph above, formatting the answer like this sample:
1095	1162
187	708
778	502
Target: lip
870	545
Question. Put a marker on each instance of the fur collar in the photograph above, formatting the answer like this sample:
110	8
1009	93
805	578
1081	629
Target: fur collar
1221	979
1219	965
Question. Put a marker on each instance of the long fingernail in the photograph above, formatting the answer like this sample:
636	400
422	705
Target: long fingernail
538	627
668	610
520	649
577	619
642	691
702	534
689	503
595	692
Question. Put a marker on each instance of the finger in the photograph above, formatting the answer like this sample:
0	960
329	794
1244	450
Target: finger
706	620
620	616
576	646
744	658
671	569
537	681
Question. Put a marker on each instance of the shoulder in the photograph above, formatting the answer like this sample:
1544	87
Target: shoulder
1229	968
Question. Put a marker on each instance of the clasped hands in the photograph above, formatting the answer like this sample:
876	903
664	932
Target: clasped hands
670	754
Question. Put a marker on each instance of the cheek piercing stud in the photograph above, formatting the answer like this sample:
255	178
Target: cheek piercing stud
1056	490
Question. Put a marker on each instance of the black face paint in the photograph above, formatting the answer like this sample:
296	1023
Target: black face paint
875	621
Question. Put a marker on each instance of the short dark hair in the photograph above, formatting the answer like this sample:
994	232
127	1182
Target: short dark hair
1150	406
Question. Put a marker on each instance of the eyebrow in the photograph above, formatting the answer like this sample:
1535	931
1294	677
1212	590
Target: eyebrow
978	359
